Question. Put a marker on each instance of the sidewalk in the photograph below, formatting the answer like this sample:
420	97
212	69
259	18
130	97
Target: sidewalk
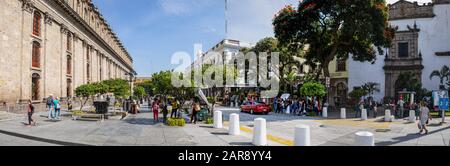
134	130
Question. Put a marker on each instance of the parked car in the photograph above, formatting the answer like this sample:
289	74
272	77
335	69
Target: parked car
255	107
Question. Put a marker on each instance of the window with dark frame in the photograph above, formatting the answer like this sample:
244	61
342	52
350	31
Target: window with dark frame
341	65
69	65
403	50
36	55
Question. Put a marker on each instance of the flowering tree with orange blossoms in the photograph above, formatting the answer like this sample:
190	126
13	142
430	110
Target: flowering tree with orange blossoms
336	29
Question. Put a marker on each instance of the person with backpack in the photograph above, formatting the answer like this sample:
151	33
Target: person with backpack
49	106
57	105
30	113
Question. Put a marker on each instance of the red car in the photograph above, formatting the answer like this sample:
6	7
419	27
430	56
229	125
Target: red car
255	107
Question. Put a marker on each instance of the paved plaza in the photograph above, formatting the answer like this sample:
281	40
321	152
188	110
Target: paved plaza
141	130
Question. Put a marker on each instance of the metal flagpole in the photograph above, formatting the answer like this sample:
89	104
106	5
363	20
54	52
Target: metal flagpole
226	19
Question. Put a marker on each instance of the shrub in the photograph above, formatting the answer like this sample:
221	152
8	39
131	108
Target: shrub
175	122
77	113
209	121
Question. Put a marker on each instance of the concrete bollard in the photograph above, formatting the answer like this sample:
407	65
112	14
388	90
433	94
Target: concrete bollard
364	138
218	119
412	116
260	132
343	113
302	135
235	128
364	114
387	116
325	112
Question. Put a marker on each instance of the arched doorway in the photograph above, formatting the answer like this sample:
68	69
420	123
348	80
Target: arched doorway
69	88
341	94
35	87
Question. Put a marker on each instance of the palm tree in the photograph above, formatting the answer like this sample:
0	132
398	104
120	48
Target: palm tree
444	73
371	87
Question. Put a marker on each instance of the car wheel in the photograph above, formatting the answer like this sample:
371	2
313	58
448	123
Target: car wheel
266	113
252	112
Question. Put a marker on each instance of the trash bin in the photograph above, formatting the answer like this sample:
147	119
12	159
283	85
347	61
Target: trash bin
101	107
201	116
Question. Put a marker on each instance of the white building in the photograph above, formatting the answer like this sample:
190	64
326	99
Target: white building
421	45
221	54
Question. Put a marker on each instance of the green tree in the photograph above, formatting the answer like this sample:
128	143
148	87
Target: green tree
356	94
139	91
119	87
287	55
336	29
370	88
443	74
85	91
313	89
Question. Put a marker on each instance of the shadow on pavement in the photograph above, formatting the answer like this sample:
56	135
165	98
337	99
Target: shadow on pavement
408	138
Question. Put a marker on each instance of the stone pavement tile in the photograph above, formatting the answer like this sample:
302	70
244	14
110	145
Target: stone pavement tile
179	141
97	140
150	141
431	141
121	141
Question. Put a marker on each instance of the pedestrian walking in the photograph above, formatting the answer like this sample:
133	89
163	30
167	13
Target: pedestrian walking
49	105
155	109
165	111
175	105
70	106
57	109
424	118
401	105
195	108
30	113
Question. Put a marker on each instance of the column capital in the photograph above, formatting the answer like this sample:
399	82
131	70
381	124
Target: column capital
27	5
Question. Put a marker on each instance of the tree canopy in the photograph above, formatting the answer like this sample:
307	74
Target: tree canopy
336	29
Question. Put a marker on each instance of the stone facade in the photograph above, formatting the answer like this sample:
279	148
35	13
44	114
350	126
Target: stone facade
420	47
53	46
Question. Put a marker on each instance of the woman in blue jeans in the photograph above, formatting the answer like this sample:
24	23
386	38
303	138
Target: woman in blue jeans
57	105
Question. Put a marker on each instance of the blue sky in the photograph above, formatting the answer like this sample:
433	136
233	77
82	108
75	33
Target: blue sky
153	30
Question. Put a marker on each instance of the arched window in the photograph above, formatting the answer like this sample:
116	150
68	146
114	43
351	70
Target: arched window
69	65
35	79
37	23
36	55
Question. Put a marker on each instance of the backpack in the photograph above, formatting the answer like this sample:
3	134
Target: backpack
49	101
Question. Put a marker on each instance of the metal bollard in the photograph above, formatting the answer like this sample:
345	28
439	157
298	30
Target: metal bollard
364	138
343	113
260	132
302	135
218	119
325	112
364	114
234	125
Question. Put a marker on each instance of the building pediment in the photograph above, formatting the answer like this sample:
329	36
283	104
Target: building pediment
409	10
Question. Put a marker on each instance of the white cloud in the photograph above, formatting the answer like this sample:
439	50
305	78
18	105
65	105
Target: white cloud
251	20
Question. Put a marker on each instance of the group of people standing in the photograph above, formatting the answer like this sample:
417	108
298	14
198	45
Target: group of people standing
53	106
165	105
295	106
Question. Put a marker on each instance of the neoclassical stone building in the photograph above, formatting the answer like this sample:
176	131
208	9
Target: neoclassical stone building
53	46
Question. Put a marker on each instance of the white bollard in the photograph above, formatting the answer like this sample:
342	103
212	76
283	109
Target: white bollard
260	132
387	116
235	128
325	112
343	113
364	138
364	114
412	116
302	135
218	119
